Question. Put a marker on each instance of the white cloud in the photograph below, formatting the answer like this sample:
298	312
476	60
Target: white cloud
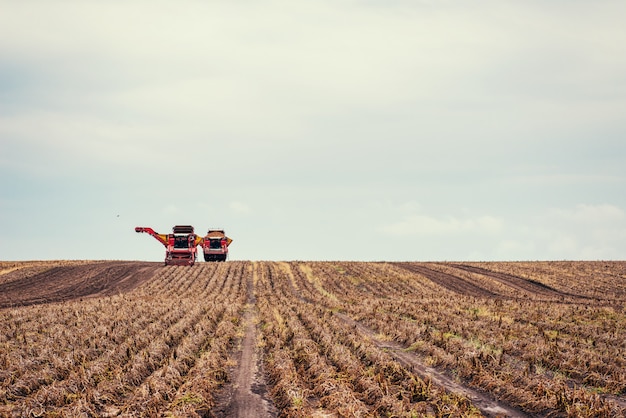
424	225
489	113
75	138
563	243
590	214
513	249
587	231
583	231
171	209
240	208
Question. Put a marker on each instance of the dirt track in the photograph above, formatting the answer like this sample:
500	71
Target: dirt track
63	283
265	339
247	396
516	282
448	281
454	282
488	405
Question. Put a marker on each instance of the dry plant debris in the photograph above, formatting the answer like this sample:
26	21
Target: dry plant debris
332	339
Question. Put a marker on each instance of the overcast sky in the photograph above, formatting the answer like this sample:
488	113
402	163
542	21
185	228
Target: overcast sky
314	130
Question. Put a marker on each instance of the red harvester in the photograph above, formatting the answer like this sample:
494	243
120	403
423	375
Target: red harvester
215	245
180	246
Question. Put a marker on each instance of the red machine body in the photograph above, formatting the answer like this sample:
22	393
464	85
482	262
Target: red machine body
215	245
181	246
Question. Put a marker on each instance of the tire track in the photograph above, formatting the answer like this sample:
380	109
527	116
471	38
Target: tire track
453	283
246	396
519	283
488	406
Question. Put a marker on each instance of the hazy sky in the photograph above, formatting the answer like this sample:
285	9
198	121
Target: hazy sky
314	130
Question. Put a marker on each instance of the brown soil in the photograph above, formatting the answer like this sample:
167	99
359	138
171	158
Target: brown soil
62	283
448	281
488	406
516	282
246	396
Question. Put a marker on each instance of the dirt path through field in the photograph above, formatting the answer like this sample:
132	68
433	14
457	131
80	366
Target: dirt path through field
526	285
454	283
488	406
247	396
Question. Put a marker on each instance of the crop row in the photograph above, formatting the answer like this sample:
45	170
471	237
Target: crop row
603	280
162	347
334	339
316	363
540	355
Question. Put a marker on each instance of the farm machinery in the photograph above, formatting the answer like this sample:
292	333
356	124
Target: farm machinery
215	245
181	246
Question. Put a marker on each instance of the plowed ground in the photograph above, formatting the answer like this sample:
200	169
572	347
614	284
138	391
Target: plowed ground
304	339
59	283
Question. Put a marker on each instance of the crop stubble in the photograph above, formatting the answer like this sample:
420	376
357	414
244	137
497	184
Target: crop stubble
312	339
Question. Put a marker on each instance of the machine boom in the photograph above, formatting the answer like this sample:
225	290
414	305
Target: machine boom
181	245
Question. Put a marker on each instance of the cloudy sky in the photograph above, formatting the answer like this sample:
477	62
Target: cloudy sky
314	130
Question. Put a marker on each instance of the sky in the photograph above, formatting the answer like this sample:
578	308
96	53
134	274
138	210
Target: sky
314	130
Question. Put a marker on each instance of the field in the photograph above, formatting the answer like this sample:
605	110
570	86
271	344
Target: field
312	339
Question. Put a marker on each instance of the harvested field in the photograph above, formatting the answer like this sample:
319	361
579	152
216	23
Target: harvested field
44	283
306	339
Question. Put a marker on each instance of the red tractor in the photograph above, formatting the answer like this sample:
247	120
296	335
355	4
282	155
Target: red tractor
181	246
215	245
